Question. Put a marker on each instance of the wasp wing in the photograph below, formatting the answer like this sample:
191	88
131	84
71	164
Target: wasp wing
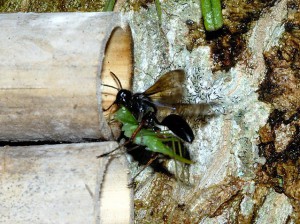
168	88
167	95
188	111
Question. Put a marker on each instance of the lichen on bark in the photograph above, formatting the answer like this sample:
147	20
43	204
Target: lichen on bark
225	182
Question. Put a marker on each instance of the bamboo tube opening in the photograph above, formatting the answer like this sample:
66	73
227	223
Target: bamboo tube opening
118	59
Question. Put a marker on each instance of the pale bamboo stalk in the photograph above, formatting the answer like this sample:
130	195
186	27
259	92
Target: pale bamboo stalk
64	184
50	66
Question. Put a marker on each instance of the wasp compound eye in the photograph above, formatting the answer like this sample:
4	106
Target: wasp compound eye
123	97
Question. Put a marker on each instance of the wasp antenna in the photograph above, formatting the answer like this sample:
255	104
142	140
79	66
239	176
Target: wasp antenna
108	107
110	86
116	79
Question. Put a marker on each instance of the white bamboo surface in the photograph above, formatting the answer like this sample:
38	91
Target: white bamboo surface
50	66
62	183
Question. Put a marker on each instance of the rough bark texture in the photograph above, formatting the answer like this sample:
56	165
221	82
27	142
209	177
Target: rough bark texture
228	182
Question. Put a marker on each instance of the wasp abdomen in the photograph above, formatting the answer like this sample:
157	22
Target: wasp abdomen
179	127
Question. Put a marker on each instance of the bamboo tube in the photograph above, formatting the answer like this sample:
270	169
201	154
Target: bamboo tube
62	184
50	66
118	59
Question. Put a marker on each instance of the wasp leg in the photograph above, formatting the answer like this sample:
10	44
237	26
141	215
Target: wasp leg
108	153
132	183
127	150
136	131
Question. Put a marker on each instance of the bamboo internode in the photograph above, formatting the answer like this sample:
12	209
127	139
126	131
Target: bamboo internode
50	67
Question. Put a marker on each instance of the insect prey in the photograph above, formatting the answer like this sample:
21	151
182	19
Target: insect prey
163	97
150	118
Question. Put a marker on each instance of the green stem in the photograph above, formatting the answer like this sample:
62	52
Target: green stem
212	14
109	5
217	12
158	10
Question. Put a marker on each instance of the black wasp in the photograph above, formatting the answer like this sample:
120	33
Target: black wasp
159	102
166	94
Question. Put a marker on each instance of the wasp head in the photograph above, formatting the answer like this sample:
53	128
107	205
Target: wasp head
123	98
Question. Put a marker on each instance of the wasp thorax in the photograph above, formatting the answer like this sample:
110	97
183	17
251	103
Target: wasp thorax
123	97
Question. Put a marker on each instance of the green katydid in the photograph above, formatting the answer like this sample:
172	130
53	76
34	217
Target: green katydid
154	141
